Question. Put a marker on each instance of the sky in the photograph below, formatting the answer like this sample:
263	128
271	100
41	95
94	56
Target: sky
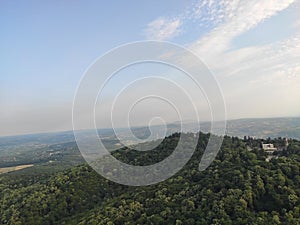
252	47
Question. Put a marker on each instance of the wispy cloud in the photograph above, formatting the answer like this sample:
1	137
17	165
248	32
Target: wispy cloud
163	29
238	18
274	63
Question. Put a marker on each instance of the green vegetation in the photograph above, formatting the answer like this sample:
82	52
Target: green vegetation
240	187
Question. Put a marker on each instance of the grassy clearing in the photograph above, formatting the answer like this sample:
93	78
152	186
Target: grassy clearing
14	168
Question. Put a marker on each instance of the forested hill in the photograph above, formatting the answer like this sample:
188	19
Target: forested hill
240	187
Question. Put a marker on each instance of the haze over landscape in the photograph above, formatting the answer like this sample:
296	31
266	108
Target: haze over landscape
252	48
150	112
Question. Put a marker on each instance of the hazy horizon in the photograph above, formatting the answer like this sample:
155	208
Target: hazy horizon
142	126
252	48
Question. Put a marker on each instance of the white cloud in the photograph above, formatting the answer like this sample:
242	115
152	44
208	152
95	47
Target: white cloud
257	73
242	70
213	12
163	29
239	16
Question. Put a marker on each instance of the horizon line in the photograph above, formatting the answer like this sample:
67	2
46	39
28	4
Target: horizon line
141	126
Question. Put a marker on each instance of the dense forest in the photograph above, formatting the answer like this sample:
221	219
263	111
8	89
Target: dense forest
239	187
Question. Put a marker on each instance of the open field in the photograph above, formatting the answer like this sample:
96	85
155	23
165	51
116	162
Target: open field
14	168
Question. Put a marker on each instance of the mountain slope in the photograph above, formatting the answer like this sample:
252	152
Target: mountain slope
238	188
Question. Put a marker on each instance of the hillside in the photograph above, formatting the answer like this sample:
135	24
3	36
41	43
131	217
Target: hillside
240	187
36	148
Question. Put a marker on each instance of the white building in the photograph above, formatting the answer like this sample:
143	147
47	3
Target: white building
269	148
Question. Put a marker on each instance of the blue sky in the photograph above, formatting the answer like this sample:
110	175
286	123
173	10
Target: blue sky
252	47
